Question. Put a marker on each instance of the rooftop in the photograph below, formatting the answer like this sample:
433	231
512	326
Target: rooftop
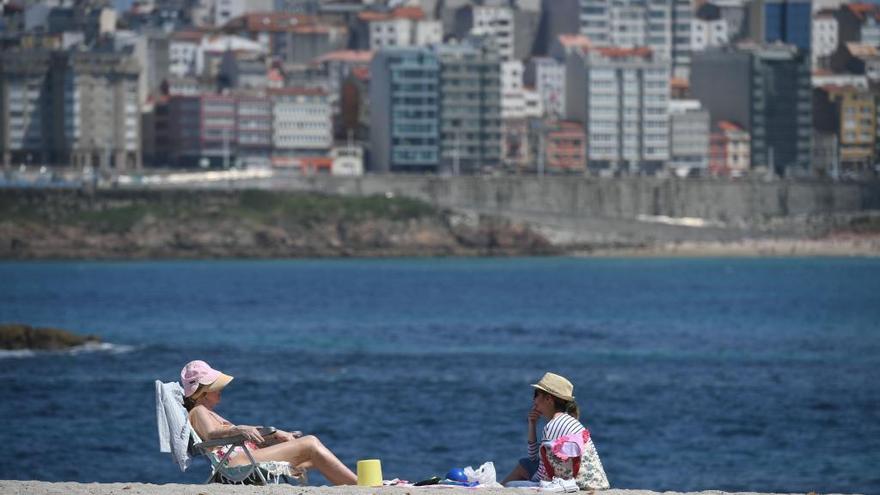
411	13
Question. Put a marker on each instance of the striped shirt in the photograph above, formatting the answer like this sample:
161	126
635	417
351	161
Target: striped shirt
561	425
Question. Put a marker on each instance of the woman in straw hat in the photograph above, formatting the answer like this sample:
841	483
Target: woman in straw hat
554	401
202	386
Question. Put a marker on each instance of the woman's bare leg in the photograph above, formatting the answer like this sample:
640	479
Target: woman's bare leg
304	452
519	473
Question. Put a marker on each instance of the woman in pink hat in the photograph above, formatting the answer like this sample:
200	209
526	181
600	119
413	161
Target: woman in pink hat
202	386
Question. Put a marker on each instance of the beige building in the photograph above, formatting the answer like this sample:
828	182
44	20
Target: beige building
101	117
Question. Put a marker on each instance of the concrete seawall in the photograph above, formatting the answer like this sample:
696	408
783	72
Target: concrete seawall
617	210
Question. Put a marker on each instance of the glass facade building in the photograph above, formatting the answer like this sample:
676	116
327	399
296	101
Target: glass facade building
788	21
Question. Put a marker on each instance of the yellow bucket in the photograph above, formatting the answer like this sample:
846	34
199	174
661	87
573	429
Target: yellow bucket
369	472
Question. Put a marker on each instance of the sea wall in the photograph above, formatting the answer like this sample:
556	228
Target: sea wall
723	201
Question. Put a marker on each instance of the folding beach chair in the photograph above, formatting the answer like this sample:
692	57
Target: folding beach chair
253	473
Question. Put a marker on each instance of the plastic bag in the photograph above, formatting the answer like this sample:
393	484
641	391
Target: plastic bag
484	475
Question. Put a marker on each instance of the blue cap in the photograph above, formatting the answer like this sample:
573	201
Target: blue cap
456	474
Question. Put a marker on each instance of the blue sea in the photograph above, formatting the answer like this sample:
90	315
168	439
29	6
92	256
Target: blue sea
692	374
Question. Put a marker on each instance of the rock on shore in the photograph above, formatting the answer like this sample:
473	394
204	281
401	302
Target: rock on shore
18	337
65	224
43	488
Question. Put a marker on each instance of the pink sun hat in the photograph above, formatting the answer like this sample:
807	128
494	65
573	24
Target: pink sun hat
197	373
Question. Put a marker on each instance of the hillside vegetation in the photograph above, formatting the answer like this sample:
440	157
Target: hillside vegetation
250	224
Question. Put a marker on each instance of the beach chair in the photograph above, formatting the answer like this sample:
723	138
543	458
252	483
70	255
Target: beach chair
217	451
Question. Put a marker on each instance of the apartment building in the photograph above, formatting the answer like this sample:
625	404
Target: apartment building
77	108
302	122
550	85
497	24
621	96
849	113
825	38
565	149
403	26
630	23
101	109
405	137
729	151
709	28
859	22
197	130
785	21
689	137
289	37
254	130
470	108
27	133
766	90
517	101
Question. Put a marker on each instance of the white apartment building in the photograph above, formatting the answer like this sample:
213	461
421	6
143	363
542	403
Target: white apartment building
302	121
516	101
405	26
186	51
223	11
824	36
497	24
550	85
629	24
621	96
706	34
689	135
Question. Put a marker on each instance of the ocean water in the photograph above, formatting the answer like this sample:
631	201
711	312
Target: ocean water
731	374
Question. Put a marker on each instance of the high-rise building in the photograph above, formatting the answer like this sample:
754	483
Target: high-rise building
70	108
443	109
765	90
689	137
682	22
621	96
405	135
470	108
302	121
26	113
847	112
786	21
630	24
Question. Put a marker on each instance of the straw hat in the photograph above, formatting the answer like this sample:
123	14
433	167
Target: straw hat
555	385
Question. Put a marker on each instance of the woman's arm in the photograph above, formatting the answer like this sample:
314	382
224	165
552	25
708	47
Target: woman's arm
209	427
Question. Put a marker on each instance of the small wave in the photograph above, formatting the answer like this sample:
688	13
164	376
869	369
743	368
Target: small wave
88	348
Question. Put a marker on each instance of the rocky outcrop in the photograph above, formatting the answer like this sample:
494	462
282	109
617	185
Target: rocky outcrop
17	337
46	224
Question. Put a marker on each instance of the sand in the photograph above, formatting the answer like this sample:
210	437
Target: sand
44	488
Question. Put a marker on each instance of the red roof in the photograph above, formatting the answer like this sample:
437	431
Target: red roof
574	41
617	52
679	83
278	22
296	91
194	36
362	73
411	13
352	56
863	10
726	125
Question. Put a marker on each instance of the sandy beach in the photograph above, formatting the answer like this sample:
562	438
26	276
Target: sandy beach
44	488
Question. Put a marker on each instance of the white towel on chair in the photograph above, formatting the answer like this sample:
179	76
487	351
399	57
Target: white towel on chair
174	429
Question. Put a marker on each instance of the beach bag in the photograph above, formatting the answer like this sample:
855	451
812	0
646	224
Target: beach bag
574	457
